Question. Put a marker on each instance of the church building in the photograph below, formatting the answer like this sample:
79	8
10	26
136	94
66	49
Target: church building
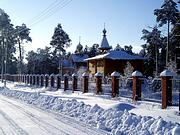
109	60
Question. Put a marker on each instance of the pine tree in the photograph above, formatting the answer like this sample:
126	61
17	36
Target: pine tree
172	67
60	41
22	34
7	48
128	70
118	48
167	15
154	42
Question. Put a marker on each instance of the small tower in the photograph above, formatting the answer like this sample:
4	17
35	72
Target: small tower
79	47
104	47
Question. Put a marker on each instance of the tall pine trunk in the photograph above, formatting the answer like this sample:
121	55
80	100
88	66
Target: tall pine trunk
2	63
167	48
20	56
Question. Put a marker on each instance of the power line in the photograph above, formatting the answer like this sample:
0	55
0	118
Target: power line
43	11
46	13
52	11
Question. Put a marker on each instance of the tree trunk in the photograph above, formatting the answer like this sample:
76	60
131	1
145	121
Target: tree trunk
167	48
2	63
156	51
20	56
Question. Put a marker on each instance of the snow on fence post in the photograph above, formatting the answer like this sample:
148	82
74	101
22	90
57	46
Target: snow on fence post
115	83
136	85
51	80
74	81
85	82
46	80
58	81
98	76
41	80
166	77
66	81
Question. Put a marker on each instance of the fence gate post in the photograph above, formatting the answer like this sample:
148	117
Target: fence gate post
136	85
74	81
166	77
98	76
85	82
66	81
115	83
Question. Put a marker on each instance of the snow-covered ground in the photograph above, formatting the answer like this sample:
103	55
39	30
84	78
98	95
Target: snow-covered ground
116	116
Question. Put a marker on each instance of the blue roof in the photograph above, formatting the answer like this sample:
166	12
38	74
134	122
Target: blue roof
79	57
67	63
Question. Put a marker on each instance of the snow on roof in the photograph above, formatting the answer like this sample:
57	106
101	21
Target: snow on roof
104	43
79	57
117	55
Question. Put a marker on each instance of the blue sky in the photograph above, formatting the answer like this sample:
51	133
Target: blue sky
124	20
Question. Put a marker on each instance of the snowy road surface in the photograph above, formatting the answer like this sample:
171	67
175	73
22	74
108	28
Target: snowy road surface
21	119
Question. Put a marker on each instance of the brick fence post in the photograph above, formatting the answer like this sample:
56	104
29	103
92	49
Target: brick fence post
85	82
37	80
66	81
23	78
136	85
58	81
74	81
30	79
18	78
51	80
115	83
41	80
34	79
27	78
166	77
98	76
46	80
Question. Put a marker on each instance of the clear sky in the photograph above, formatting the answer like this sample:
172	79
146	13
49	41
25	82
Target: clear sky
124	20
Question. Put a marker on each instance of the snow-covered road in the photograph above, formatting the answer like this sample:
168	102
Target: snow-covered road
21	119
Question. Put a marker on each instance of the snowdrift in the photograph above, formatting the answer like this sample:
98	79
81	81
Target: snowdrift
113	120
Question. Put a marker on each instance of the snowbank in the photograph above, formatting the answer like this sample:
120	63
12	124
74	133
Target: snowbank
112	120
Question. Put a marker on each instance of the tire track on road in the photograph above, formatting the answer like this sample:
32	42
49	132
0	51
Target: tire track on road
18	130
